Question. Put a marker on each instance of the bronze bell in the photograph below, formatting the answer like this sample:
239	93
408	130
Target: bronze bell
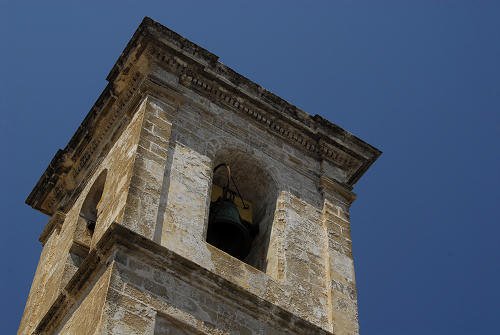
226	230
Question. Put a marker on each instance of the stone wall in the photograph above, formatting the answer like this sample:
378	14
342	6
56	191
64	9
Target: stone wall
175	207
307	258
148	297
85	317
340	277
57	262
169	115
138	287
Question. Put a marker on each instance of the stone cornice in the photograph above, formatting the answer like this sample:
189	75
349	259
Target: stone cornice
118	236
331	186
199	70
68	171
55	223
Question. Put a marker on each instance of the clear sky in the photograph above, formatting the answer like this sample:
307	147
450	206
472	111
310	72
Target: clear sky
419	80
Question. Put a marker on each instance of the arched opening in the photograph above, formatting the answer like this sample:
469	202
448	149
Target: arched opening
256	211
85	226
90	207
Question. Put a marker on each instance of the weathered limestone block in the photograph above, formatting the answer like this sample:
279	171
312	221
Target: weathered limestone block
154	290
342	286
85	318
143	196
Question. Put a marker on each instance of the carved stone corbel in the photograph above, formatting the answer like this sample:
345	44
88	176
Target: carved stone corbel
55	223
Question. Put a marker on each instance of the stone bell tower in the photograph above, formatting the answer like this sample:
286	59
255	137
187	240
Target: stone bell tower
146	236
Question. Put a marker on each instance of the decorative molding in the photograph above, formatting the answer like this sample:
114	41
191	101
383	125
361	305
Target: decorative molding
228	87
69	170
199	70
213	89
331	186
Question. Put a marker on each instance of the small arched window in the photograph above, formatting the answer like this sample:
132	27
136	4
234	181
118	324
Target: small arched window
242	207
91	205
85	226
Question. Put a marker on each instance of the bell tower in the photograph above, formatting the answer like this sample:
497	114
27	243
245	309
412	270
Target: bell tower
193	201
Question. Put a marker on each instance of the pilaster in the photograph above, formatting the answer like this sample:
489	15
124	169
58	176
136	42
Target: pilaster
143	198
340	278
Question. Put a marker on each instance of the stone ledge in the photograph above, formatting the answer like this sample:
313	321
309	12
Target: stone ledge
118	236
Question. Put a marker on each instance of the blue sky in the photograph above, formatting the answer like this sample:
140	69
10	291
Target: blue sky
419	80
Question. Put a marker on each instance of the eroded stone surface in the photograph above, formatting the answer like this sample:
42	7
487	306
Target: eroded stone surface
169	115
